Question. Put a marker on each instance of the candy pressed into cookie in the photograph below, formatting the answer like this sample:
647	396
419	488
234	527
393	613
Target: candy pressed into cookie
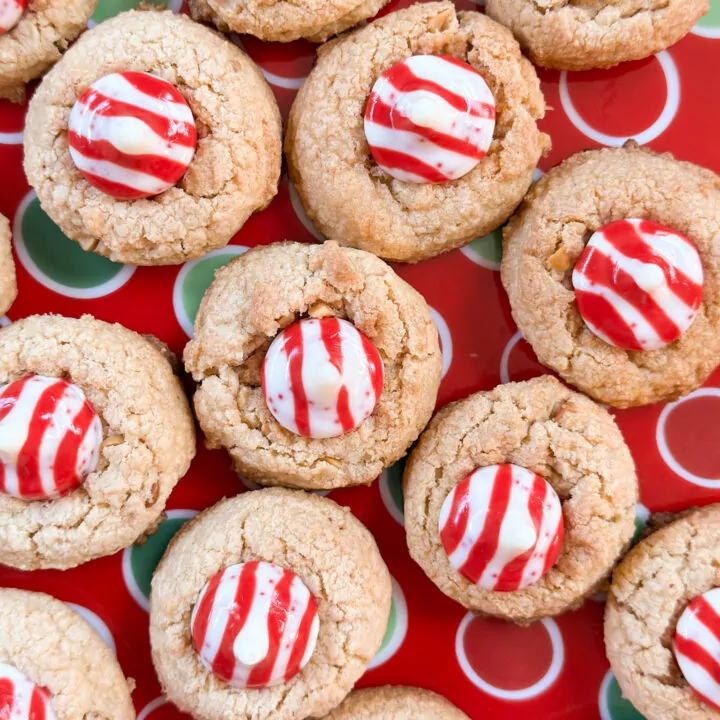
416	134
595	33
153	140
612	268
95	431
662	621
8	282
267	605
519	501
33	36
54	665
317	365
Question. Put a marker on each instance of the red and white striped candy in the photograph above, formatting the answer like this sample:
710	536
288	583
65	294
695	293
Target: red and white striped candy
132	135
638	285
322	378
21	698
10	13
429	119
697	646
255	625
49	438
502	527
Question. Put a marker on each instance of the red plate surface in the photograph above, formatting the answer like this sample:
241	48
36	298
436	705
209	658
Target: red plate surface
552	669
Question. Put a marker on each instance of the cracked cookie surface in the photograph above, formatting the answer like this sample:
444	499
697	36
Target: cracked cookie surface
258	294
546	236
332	553
236	167
347	195
148	440
649	590
566	439
8	281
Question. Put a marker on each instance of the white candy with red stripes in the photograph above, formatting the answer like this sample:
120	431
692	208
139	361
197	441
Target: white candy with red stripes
697	646
255	625
638	284
502	527
21	698
132	135
322	377
50	438
11	12
429	119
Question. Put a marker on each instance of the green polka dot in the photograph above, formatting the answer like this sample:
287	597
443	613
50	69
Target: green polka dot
391	626
618	707
109	8
712	19
489	247
198	280
639	527
395	475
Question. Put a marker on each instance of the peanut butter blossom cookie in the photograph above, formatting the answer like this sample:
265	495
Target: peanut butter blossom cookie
317	365
8	283
95	432
33	36
54	666
268	605
662	622
519	501
416	134
612	271
153	140
595	33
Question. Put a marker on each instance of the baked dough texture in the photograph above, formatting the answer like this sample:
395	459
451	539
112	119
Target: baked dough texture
562	436
148	431
258	294
283	21
650	589
584	34
396	703
8	282
235	170
38	40
331	552
350	198
57	649
546	236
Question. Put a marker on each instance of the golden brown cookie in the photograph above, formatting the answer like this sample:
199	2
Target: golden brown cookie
147	440
8	283
350	198
258	295
650	589
331	553
38	40
563	437
544	240
54	648
235	169
595	33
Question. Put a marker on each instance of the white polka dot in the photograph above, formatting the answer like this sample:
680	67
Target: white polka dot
301	214
505	358
445	340
11	138
713	33
400	630
97	623
151	707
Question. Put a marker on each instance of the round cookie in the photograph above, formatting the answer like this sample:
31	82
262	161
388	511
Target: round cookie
56	649
8	282
236	166
395	703
350	198
254	298
563	437
650	589
38	40
331	552
545	238
595	33
147	444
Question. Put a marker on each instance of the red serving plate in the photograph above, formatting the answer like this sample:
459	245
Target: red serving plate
552	669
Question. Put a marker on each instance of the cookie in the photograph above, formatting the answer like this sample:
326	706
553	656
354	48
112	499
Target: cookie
661	620
54	665
216	644
480	516
8	283
191	101
595	33
628	312
317	365
33	37
315	20
395	703
346	110
95	431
